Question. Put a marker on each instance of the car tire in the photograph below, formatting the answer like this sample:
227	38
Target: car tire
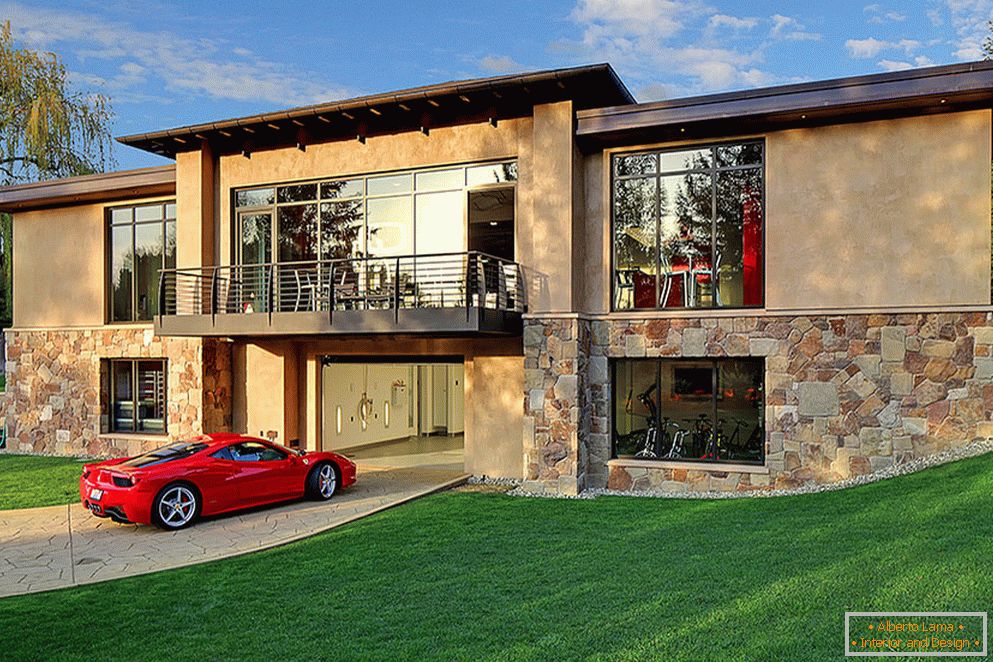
176	506
323	481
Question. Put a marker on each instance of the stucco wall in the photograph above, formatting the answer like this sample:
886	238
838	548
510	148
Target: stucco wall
494	413
60	265
881	213
265	389
858	216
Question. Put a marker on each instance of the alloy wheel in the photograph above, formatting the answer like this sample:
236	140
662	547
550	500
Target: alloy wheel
327	481
177	506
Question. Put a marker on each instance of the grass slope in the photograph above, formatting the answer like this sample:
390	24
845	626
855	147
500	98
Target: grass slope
28	481
468	575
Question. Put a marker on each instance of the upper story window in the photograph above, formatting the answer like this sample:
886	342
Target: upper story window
403	213
687	227
142	241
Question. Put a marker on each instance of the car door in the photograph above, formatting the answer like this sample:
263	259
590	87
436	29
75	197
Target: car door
264	472
217	477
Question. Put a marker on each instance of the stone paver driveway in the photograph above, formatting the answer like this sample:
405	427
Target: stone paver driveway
60	546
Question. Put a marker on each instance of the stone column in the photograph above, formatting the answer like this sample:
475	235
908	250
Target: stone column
556	413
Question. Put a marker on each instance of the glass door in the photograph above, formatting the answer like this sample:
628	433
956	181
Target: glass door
247	292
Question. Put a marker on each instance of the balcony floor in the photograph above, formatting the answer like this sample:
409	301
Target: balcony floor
421	321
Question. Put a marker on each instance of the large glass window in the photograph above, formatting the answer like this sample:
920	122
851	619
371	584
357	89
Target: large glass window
142	242
687	228
134	396
407	213
700	410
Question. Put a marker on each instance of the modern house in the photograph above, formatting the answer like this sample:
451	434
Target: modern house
534	274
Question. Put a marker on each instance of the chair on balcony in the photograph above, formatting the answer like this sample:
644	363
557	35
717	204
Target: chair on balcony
345	285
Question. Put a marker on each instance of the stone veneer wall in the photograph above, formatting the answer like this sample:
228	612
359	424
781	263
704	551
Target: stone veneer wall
52	399
844	394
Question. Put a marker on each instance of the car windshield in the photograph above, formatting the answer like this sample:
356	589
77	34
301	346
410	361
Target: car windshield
166	454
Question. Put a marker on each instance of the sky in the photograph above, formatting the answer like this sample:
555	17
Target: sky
164	65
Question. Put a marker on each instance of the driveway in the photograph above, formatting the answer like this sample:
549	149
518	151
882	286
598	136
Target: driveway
60	546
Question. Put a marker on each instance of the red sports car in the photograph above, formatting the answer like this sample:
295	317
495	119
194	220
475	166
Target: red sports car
172	486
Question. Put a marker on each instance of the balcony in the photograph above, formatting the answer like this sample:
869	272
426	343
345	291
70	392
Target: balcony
440	294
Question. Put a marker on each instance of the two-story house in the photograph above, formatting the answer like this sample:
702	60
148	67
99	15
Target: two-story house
532	277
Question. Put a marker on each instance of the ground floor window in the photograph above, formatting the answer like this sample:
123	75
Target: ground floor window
134	395
701	410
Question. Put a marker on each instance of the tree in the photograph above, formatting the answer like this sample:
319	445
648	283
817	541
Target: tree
47	131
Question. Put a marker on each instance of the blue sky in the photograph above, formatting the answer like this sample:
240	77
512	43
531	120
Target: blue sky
170	64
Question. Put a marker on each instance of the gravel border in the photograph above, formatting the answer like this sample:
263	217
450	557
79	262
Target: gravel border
491	480
974	449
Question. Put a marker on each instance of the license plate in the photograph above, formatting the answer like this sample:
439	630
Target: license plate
96	495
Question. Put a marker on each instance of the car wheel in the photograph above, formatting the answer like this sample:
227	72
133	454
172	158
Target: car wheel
176	506
322	481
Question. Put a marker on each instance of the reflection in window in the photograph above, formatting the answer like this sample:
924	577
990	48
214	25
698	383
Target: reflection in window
698	410
142	242
297	233
417	212
687	228
341	229
390	226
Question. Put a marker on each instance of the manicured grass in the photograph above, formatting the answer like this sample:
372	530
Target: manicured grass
27	481
468	575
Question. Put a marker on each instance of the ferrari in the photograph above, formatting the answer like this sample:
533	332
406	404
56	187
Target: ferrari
172	486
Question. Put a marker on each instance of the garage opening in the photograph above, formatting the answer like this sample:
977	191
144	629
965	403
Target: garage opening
395	414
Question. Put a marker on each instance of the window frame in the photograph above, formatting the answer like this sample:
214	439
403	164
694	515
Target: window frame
612	156
714	364
363	198
109	226
111	402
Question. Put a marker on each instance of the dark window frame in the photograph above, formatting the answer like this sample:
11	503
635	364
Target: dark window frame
111	399
164	222
657	175
715	397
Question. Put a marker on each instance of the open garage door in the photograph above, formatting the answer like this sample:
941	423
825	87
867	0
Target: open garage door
396	414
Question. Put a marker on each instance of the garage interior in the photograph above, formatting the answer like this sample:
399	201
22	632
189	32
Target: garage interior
395	414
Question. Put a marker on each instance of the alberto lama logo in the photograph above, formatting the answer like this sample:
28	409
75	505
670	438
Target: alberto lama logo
875	634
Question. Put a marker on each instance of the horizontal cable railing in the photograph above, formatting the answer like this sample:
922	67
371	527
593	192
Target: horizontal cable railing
408	282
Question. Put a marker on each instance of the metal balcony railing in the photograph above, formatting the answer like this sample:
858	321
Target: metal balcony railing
410	282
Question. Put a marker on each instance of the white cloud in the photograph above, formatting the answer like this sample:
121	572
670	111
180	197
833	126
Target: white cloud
903	65
864	48
879	15
166	60
787	27
499	64
732	22
871	47
678	40
969	19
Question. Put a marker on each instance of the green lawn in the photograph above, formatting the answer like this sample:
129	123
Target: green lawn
469	575
27	481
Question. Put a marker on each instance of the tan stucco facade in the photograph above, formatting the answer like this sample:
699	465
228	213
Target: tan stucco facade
60	268
885	213
861	216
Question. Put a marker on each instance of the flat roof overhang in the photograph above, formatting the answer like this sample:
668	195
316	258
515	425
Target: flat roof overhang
428	107
878	96
105	187
437	322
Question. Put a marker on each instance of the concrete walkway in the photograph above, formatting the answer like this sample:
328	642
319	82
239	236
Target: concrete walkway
60	546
